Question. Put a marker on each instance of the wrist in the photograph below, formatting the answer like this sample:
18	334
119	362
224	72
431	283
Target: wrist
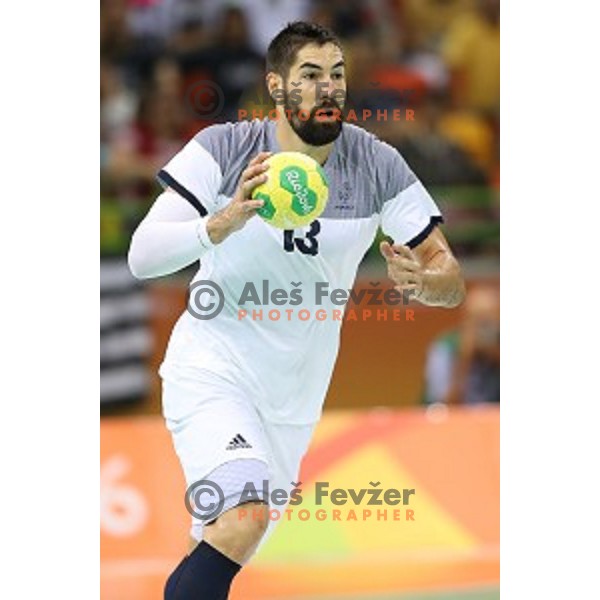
217	229
203	234
420	291
426	292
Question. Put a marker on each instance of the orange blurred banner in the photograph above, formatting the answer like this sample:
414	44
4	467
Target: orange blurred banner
449	538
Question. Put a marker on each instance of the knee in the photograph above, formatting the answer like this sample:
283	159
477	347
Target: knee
253	518
238	531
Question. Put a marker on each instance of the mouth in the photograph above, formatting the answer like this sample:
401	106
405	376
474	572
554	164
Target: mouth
327	113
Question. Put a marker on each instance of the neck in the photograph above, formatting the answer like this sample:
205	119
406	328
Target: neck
289	141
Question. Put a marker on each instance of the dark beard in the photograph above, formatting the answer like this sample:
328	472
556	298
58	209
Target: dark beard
311	130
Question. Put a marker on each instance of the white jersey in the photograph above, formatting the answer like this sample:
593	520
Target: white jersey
284	364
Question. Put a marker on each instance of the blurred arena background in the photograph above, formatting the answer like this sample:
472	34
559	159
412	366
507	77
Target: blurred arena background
412	404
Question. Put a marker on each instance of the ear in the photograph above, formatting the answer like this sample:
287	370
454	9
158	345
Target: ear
274	82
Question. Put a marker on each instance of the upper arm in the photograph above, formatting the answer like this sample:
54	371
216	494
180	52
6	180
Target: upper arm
170	207
195	172
408	212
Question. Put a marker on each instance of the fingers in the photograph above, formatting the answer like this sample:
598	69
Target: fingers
404	251
390	251
255	166
399	262
254	174
404	269
386	250
253	171
259	158
407	286
252	205
408	265
407	281
402	257
248	186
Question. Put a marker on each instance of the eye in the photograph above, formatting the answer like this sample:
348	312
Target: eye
337	76
310	76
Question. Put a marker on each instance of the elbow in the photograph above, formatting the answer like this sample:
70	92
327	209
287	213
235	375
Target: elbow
136	268
137	261
137	272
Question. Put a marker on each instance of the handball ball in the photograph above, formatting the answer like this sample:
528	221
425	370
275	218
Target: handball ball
295	193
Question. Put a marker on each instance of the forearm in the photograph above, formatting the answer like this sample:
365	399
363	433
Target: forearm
442	283
162	248
219	227
171	237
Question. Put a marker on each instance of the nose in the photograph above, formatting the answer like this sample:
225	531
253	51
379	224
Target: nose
326	87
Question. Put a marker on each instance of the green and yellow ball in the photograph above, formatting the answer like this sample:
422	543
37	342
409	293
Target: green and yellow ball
295	193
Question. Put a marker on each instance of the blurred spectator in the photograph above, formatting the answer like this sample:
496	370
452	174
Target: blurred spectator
118	103
157	133
265	17
189	38
348	18
323	14
472	51
436	157
474	135
380	83
463	366
134	52
229	61
151	18
426	21
161	19
115	36
167	77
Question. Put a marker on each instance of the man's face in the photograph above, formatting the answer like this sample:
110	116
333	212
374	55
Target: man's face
315	92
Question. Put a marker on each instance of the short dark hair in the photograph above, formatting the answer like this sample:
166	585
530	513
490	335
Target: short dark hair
284	47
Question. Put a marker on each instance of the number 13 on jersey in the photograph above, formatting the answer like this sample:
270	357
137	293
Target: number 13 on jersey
307	243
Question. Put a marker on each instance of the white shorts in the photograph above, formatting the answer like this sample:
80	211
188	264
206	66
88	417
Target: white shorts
213	422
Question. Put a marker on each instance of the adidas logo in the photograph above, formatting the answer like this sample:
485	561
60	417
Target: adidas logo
237	443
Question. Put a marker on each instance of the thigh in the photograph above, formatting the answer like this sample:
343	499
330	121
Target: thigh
288	445
212	424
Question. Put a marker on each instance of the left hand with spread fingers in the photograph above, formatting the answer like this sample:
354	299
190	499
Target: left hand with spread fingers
404	268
